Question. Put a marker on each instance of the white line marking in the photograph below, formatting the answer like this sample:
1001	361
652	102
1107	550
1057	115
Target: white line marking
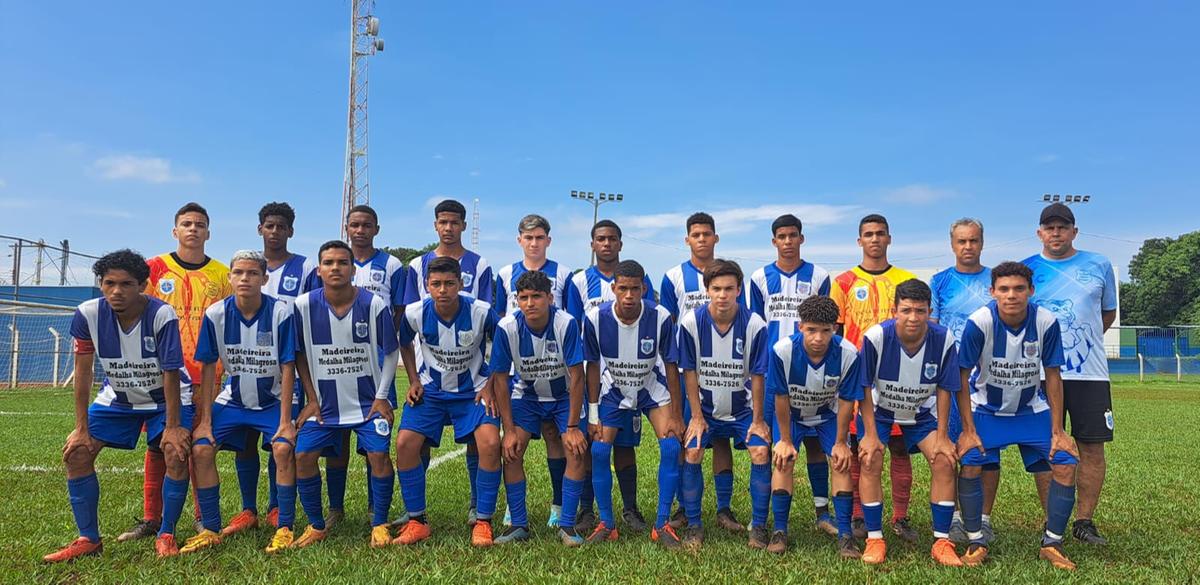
444	457
23	413
47	469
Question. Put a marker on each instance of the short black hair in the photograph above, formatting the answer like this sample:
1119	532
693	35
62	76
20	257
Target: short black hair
719	268
334	245
123	259
534	280
818	309
277	208
444	264
700	218
606	223
629	269
1010	268
873	218
786	220
913	290
367	209
450	206
192	207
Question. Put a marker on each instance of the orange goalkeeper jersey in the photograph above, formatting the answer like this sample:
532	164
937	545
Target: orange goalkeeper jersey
865	299
189	289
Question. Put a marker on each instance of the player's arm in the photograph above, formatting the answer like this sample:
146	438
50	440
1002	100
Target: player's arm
85	359
1059	439
777	390
174	433
312	408
573	439
1108	317
869	446
203	401
758	368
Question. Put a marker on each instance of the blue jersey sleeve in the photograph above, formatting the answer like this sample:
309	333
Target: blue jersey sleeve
485	289
501	355
758	301
412	292
668	299
649	294
776	381
572	346
207	351
825	287
869	358
853	381
971	345
686	349
407	334
168	346
386	328
397	286
501	304
1108	298
949	378
572	303
668	347
935	302
298	327
759	351
1052	347
489	324
79	327
286	341
591	343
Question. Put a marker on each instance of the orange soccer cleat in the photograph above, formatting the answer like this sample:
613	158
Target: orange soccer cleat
875	552
81	547
244	520
943	552
165	546
412	533
481	534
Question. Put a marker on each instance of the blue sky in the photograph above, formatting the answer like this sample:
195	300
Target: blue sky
117	113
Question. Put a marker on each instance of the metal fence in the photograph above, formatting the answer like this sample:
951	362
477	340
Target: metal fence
1156	351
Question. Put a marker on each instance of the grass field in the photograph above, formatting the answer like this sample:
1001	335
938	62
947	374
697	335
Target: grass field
1148	512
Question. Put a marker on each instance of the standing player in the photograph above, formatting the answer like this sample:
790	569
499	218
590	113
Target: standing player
189	281
723	355
449	221
587	290
865	296
543	347
814	379
137	339
776	291
911	366
957	292
346	358
1080	288
533	235
1008	343
629	346
252	335
452	331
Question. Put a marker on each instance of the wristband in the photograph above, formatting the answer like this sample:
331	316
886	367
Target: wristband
593	413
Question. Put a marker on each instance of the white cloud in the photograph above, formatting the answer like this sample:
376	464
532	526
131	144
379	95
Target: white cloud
1046	159
741	219
139	168
917	194
474	173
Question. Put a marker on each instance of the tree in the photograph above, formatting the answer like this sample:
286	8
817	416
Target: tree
1164	283
406	255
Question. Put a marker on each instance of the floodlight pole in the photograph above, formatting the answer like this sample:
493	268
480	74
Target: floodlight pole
364	42
596	201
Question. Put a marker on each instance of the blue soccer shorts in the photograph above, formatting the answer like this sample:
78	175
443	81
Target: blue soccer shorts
433	414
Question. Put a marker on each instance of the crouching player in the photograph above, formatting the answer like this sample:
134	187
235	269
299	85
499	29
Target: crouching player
629	346
251	334
1009	342
346	358
814	377
910	365
137	340
542	344
452	331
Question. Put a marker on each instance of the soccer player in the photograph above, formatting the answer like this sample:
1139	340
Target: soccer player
865	296
911	367
814	379
137	339
682	291
542	345
452	331
586	290
1007	343
346	359
776	291
1080	288
189	281
251	334
959	291
449	221
533	235
629	349
723	354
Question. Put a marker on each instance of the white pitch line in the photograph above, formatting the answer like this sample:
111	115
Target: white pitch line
47	469
24	413
444	457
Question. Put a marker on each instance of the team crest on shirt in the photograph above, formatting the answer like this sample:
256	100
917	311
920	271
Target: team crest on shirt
860	293
831	382
148	344
739	345
646	346
361	329
551	346
382	428
289	283
803	288
467	279
1030	349
264	339
931	371
377	276
465	338
166	286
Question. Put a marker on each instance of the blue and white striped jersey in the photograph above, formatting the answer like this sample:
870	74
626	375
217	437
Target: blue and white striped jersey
506	284
1008	363
589	288
293	278
345	352
683	289
133	361
904	387
1077	290
813	389
477	281
725	362
254	352
540	358
631	357
452	362
958	294
776	295
383	275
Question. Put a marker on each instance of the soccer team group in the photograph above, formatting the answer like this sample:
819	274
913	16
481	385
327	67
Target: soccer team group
294	355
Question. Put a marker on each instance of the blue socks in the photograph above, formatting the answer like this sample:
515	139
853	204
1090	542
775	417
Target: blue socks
412	488
781	504
337	487
693	492
247	474
487	490
571	490
760	493
1059	504
818	478
627	483
381	503
287	505
668	480
84	493
602	480
724	485
309	489
970	503
843	509
272	487
557	468
873	516
174	493
473	476
210	507
514	494
942	514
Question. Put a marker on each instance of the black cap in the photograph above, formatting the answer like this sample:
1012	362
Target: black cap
1057	211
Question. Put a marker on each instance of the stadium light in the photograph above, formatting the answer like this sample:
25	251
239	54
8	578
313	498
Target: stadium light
1068	199
590	197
